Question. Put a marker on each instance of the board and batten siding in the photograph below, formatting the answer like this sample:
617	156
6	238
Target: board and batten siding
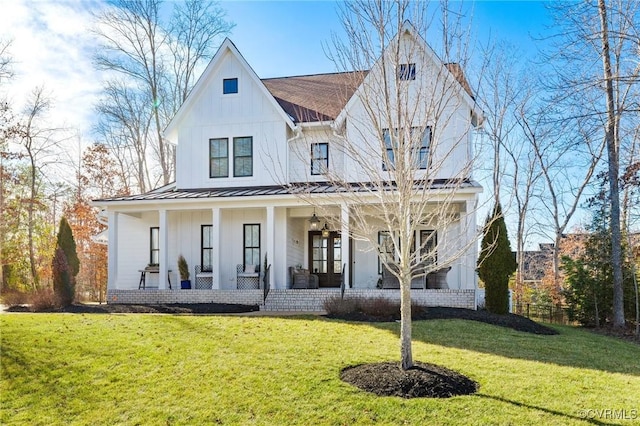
216	115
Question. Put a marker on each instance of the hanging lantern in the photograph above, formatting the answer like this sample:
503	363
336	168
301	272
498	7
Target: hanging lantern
314	222
325	230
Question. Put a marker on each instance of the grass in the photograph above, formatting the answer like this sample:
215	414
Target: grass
165	369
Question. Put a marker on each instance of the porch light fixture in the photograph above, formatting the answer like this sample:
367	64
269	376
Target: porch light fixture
325	231
314	222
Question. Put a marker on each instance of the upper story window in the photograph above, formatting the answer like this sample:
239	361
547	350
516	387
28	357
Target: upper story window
407	72
229	85
243	156
420	153
319	158
423	153
218	157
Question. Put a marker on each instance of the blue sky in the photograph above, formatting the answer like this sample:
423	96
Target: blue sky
53	47
287	38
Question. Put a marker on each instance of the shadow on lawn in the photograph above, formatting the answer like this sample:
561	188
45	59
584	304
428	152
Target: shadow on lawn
584	418
572	348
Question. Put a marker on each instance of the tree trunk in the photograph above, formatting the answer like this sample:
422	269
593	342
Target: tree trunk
613	171
35	281
405	323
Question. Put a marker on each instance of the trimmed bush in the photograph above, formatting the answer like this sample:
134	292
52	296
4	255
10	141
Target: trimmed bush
66	241
63	279
496	263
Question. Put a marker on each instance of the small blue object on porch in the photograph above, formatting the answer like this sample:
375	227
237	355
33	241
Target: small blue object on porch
152	269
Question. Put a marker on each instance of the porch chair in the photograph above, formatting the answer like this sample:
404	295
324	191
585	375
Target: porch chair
247	277
301	278
204	277
389	281
438	279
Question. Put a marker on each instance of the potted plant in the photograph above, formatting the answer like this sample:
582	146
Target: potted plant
183	269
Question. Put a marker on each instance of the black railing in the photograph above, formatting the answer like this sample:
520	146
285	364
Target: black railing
543	312
342	285
266	282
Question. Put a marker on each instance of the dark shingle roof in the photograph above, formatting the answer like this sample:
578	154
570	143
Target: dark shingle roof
318	97
321	97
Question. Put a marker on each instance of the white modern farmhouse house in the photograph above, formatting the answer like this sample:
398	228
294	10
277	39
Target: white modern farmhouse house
253	158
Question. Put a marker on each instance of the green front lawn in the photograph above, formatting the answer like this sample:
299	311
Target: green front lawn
164	369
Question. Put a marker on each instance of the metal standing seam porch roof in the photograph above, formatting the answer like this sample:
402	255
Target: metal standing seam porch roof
277	190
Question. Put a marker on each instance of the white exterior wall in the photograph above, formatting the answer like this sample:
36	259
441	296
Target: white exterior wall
216	115
231	236
435	99
300	155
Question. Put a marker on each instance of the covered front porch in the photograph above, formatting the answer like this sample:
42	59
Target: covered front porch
228	240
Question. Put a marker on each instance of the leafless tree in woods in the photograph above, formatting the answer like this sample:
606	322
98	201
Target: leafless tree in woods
157	63
505	92
40	145
605	33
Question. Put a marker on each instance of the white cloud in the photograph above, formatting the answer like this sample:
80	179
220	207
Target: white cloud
52	46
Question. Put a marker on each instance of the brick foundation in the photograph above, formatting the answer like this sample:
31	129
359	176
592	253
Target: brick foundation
289	300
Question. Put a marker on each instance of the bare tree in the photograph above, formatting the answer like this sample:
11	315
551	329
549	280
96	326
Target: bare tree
505	93
124	125
157	60
605	32
6	72
403	149
39	144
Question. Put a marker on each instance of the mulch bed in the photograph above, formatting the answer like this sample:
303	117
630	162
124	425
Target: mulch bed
171	308
512	321
421	381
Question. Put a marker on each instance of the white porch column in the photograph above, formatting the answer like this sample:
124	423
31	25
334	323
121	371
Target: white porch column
164	246
271	242
346	261
216	222
280	256
112	250
468	276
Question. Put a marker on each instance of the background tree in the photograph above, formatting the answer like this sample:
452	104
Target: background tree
155	63
40	145
496	263
589	274
601	100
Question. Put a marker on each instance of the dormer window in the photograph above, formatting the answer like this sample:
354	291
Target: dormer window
229	86
407	72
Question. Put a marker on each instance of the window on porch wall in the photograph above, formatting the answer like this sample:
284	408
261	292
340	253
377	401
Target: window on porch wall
154	246
428	243
206	248
252	244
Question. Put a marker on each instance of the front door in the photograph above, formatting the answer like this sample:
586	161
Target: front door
325	254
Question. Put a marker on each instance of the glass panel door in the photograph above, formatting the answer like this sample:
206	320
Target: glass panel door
325	254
